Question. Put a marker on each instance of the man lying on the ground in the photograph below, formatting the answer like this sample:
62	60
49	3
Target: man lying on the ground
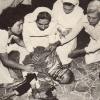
49	71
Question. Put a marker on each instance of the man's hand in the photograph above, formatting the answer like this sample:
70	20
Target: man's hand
54	45
77	53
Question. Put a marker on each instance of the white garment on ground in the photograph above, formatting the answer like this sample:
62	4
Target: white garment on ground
33	36
4	73
93	48
72	21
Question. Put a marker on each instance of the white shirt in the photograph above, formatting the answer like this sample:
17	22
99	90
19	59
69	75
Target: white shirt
93	47
4	73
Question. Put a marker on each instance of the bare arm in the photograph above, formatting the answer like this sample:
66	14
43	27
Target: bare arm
93	48
9	63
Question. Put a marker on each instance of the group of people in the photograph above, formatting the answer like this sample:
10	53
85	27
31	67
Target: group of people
54	33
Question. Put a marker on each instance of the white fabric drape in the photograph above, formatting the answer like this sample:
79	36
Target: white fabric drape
70	21
33	36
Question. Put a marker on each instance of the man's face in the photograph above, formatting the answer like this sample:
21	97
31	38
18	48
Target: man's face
17	27
43	24
61	76
68	8
93	18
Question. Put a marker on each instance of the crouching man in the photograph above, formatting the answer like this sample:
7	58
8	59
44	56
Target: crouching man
90	64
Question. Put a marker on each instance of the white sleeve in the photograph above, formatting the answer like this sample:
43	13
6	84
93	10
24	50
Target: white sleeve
93	48
74	32
3	41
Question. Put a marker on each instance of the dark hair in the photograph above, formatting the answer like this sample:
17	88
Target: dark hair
44	15
67	3
9	17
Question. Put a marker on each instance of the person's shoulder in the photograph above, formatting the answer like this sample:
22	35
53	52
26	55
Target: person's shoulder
57	4
3	32
29	18
79	10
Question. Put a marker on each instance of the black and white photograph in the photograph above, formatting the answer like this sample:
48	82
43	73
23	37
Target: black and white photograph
49	49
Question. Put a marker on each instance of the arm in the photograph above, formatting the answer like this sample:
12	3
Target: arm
88	49
9	63
93	48
5	4
19	41
27	2
53	37
4	57
74	32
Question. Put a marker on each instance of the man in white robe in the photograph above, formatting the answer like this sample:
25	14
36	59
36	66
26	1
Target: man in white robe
39	32
90	64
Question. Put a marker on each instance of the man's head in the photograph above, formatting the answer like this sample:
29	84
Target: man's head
63	76
43	20
17	27
93	12
68	5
